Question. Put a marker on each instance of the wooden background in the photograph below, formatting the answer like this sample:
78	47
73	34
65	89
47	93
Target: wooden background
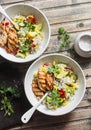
75	17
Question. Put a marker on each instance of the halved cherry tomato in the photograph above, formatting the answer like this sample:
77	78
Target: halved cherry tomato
46	64
6	23
62	93
32	20
32	45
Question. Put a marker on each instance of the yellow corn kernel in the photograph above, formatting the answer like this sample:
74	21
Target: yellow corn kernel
65	103
31	34
55	87
14	20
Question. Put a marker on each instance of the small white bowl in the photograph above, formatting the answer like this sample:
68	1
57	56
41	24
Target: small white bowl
26	9
83	44
49	59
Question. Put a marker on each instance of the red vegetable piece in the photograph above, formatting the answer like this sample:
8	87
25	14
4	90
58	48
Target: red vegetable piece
69	68
32	20
8	49
32	45
62	93
46	64
15	51
6	23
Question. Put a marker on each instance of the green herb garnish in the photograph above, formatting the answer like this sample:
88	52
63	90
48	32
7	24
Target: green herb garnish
65	36
26	47
53	100
7	94
30	26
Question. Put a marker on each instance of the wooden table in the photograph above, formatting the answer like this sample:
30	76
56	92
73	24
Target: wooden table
75	17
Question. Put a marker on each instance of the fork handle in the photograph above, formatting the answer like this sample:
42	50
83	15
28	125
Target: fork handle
25	118
5	14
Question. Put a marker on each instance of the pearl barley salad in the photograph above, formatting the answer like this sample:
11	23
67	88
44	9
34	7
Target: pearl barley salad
24	39
29	34
57	78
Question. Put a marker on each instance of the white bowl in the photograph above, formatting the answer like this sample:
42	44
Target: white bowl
83	44
25	9
58	58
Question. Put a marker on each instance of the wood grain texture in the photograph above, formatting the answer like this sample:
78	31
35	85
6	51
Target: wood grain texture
75	17
53	3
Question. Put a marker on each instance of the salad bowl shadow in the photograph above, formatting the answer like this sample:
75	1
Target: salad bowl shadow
25	10
77	97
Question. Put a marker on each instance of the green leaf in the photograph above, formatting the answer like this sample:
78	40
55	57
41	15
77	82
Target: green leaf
67	36
10	89
30	26
61	30
64	36
6	98
60	36
1	91
63	44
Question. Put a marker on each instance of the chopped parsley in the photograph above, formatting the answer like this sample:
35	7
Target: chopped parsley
64	36
7	94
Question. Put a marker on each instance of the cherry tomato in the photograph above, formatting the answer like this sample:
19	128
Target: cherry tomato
32	20
46	64
6	23
62	93
32	45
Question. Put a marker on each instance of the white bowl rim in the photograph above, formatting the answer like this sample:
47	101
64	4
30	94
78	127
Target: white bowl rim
28	60
72	61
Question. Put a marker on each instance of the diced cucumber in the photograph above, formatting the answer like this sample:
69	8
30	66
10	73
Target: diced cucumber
38	27
21	55
27	53
48	99
61	74
21	24
62	65
74	77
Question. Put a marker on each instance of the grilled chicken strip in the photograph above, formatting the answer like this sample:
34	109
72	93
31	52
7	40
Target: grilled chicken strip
42	80
36	90
3	38
49	80
13	39
3	34
9	38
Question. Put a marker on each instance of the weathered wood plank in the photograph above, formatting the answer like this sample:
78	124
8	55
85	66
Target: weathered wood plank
11	1
54	46
69	14
72	26
70	18
75	17
84	103
58	13
40	121
76	125
88	81
45	4
67	11
57	3
87	72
